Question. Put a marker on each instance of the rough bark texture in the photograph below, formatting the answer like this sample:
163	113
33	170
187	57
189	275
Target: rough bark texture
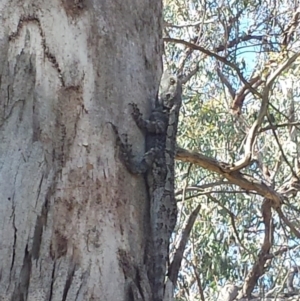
73	222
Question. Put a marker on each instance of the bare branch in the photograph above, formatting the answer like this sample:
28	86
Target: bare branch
190	74
258	268
282	152
262	112
242	93
238	40
291	28
176	263
226	82
167	24
232	219
280	252
242	180
199	283
276	126
201	187
278	71
218	57
287	222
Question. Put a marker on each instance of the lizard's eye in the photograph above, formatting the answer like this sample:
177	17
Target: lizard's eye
168	95
172	81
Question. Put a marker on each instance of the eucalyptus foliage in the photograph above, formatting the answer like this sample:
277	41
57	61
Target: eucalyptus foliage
241	62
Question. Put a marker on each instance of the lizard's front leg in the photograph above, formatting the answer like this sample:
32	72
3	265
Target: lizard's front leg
156	124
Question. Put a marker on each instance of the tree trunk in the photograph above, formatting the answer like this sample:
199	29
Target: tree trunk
73	220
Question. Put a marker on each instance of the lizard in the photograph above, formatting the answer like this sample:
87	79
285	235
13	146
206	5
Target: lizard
158	165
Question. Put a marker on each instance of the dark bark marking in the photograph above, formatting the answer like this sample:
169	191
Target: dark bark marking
74	8
37	236
24	67
36	128
67	117
138	286
59	245
35	20
126	264
21	290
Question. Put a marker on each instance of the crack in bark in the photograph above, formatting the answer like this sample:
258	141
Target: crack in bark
41	221
15	239
21	290
83	281
68	283
39	189
37	237
52	281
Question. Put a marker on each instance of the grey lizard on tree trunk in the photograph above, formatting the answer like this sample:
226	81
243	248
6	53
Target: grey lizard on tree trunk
158	164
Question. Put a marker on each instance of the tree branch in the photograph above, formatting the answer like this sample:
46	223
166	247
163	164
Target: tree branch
242	180
219	58
176	263
262	112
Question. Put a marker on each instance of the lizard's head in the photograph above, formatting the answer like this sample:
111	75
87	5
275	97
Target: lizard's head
169	90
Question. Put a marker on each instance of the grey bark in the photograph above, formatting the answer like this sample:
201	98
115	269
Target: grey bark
72	219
